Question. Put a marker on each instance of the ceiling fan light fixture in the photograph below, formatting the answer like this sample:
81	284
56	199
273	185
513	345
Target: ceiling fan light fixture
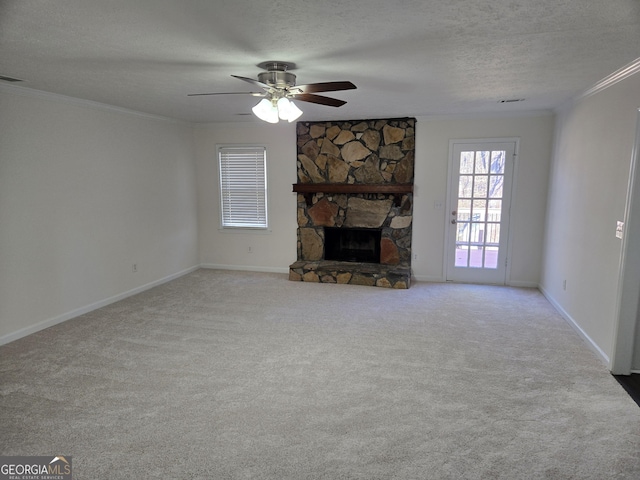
294	112
287	110
265	110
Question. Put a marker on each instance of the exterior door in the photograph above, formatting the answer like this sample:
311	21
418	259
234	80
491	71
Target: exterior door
478	216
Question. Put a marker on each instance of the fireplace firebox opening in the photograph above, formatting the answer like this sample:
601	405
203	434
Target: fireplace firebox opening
352	244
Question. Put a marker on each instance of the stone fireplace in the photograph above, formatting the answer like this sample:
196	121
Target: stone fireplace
355	202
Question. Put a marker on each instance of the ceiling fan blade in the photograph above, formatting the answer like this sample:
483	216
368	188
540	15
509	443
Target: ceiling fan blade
308	97
251	80
324	87
255	94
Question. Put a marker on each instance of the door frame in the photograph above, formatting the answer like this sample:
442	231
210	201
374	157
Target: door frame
628	295
449	207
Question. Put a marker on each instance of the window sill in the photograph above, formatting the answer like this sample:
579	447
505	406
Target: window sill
260	231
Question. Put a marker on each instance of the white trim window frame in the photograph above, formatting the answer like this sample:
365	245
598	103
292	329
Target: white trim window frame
242	173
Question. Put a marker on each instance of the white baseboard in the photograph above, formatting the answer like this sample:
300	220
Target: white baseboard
23	332
427	278
245	268
589	341
433	279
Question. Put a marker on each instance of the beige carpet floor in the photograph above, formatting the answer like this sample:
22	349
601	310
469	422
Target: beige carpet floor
237	375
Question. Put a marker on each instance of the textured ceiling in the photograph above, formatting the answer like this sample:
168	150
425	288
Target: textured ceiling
407	57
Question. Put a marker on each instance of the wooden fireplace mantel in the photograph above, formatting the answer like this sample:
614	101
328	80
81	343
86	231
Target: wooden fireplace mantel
389	188
308	189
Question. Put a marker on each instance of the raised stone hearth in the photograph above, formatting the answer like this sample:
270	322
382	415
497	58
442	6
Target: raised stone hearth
369	274
355	174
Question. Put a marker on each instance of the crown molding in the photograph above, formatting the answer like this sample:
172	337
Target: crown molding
80	102
617	76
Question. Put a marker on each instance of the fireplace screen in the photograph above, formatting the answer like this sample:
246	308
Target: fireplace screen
352	244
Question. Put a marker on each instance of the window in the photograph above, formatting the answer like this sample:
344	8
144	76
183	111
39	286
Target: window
243	186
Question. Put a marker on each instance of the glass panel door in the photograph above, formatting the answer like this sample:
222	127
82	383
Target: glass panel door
479	203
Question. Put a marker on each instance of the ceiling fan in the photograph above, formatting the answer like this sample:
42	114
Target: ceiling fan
279	87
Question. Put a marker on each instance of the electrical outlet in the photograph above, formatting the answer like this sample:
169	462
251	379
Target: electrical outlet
134	267
249	249
415	256
564	284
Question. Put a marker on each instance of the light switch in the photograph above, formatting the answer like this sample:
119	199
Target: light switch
619	229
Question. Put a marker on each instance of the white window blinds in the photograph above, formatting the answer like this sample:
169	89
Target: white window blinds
243	186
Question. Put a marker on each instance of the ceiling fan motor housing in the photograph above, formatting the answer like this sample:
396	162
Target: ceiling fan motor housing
277	78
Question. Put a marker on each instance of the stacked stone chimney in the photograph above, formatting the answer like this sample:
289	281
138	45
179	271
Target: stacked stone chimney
355	174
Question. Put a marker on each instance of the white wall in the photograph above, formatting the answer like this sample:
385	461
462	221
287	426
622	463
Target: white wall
273	250
587	193
276	250
535	132
85	192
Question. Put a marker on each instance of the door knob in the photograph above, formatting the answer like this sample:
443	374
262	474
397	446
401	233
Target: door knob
453	221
